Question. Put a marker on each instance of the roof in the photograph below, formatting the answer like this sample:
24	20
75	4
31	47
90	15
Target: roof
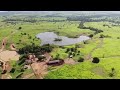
54	61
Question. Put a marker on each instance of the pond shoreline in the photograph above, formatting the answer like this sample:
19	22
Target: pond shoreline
49	37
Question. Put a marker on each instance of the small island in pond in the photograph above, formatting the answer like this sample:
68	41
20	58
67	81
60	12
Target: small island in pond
57	39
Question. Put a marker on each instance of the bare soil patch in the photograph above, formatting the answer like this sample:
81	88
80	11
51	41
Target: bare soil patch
9	55
69	61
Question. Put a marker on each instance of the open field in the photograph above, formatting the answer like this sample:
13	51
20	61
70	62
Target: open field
21	30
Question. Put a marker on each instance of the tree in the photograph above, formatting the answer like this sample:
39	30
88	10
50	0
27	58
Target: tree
102	36
112	73
70	53
22	70
19	40
20	75
113	69
91	35
12	70
86	42
78	51
73	54
72	49
40	58
21	61
19	28
57	56
118	37
68	49
81	59
96	60
25	34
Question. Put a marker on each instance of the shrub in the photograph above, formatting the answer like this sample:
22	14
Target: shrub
20	75
62	47
73	54
12	70
102	36
81	59
91	35
68	49
58	39
118	37
96	60
111	74
41	57
21	61
22	70
86	42
77	45
20	28
78	53
57	57
70	53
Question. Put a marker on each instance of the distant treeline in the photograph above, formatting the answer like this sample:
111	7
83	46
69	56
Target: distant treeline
81	26
30	20
82	18
12	20
90	19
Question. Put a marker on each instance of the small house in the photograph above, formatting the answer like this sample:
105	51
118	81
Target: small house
55	62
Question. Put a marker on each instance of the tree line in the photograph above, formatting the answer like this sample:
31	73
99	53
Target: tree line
81	26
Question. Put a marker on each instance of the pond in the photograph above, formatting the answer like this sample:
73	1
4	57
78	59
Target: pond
49	37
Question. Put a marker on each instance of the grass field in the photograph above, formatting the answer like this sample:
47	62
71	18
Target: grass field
65	28
108	50
88	70
108	53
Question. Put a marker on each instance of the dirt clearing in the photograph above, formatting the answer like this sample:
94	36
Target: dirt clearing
9	55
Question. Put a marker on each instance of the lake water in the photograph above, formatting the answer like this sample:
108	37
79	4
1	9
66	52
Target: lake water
49	37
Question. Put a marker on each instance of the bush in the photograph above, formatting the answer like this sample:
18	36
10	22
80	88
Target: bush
20	75
91	35
58	39
81	59
96	60
21	61
102	36
78	53
73	49
68	49
77	45
24	34
86	42
57	57
70	53
23	56
118	37
12	70
111	74
73	54
62	47
22	70
113	69
20	28
41	57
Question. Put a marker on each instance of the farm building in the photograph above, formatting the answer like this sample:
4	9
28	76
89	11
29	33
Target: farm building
55	62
